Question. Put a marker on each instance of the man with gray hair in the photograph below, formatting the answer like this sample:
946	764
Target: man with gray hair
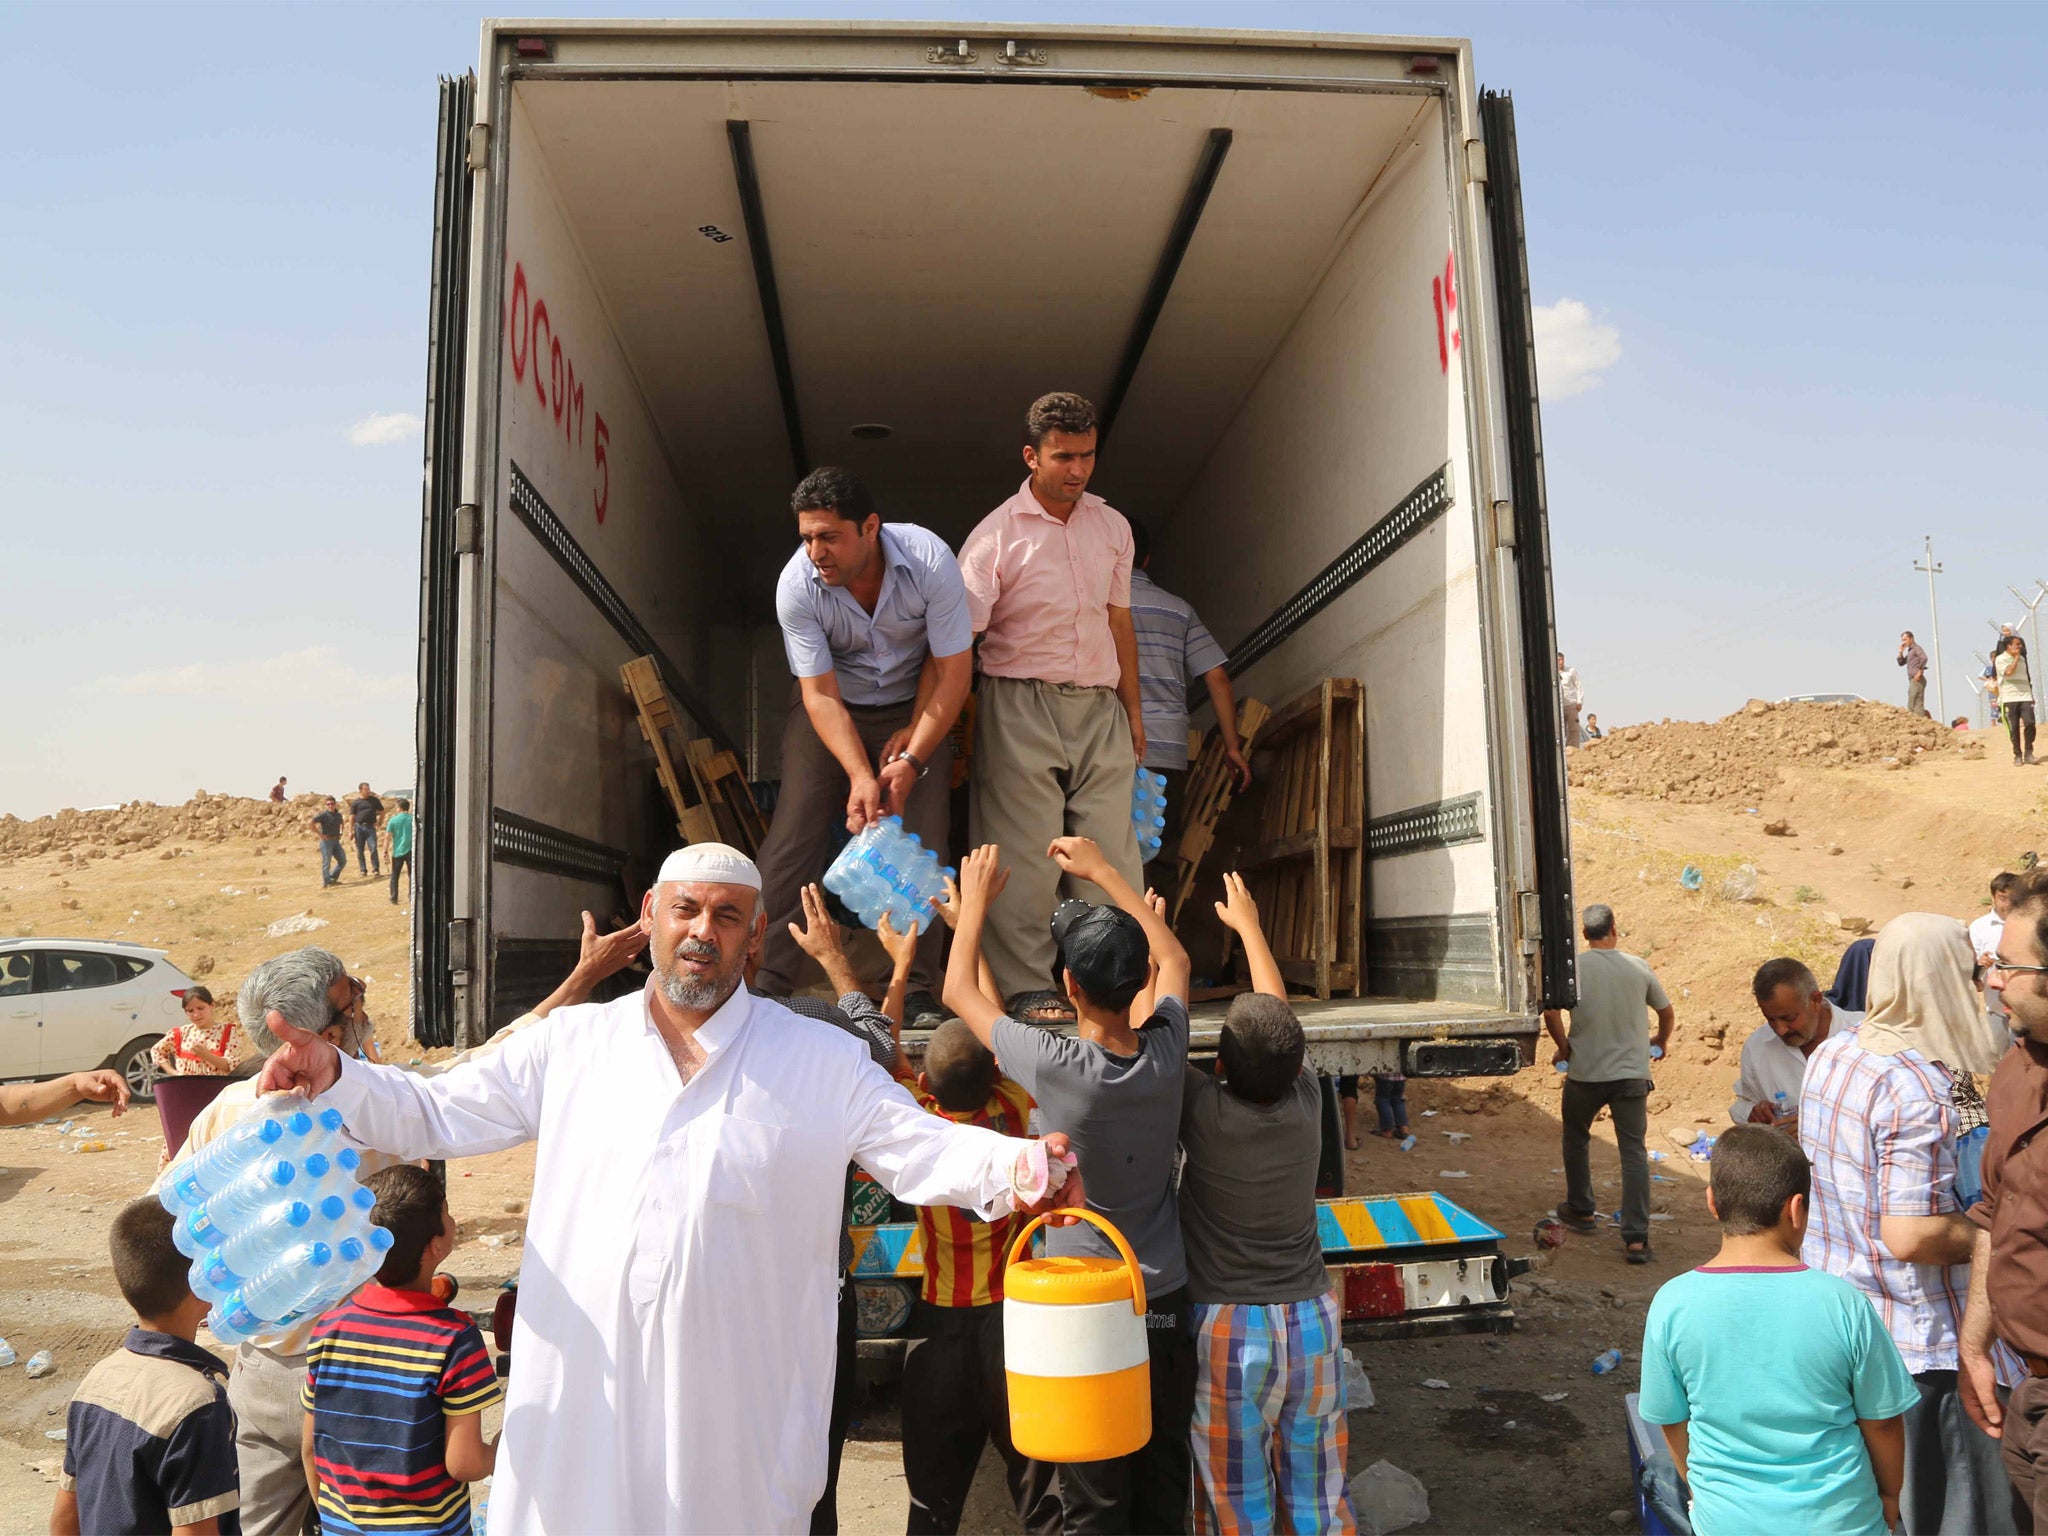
676	1303
1606	1054
1797	1017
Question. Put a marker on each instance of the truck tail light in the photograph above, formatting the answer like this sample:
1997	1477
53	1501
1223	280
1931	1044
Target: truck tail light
1370	1290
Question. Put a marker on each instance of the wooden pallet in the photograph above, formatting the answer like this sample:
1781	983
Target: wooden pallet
1207	795
1307	872
709	793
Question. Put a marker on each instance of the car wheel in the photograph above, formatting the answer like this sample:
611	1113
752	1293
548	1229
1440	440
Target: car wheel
134	1062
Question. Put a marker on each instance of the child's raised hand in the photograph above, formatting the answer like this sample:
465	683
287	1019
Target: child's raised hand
982	878
1155	901
1237	911
1080	857
901	947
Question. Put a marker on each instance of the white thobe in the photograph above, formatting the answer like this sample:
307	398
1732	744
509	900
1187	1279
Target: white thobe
1770	1067
674	1343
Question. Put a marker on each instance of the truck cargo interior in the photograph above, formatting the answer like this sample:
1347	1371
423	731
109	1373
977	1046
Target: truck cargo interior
705	286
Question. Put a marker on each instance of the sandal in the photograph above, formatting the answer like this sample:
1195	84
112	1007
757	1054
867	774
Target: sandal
1638	1252
1585	1226
1045	1008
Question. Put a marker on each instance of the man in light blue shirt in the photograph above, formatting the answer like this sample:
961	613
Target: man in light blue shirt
875	625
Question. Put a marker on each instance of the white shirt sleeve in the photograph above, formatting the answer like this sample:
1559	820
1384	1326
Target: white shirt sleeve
922	1158
485	1104
1748	1089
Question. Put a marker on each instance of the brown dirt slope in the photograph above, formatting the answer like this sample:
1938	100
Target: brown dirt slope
1744	755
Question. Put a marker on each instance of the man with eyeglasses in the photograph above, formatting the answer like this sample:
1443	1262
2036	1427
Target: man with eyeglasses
2009	1268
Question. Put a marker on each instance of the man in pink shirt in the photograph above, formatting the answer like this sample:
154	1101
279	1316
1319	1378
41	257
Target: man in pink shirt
1059	729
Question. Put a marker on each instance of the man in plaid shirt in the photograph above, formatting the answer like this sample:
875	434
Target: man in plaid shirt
1880	1128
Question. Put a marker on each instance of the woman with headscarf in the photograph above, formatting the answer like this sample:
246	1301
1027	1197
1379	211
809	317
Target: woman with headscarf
1881	1114
1851	989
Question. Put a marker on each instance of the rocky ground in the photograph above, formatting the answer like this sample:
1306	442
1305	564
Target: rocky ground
1856	841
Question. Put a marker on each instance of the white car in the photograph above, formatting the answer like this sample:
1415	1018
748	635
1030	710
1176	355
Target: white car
69	1005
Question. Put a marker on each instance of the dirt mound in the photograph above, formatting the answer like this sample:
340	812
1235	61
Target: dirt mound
1739	758
142	825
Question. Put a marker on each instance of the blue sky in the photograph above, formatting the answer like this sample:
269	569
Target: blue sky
1796	254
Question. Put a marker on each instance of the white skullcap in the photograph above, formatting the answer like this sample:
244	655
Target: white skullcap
712	863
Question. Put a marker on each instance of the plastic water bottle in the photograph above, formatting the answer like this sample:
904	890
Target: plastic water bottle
7	1355
884	869
322	1172
1608	1363
217	1164
1407	1143
207	1225
362	1257
281	1290
249	1251
1781	1106
1148	811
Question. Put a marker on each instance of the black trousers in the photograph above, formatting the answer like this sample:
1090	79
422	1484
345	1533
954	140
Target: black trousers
825	1515
400	862
1147	1491
2019	725
955	1400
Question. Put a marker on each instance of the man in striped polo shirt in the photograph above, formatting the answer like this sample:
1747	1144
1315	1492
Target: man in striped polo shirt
397	1383
955	1396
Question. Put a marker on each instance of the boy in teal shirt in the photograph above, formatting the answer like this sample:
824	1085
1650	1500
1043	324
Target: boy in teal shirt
400	828
1778	1388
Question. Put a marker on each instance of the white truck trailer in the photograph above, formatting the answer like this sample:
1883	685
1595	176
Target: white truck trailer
677	264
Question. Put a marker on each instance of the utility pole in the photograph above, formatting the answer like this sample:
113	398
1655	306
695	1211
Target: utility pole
1933	569
2033	608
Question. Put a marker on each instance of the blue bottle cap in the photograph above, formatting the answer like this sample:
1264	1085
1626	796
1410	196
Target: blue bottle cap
363	1199
350	1249
349	1159
330	1119
299	1122
270	1132
381	1240
282	1174
319	1254
333	1207
298	1214
316	1166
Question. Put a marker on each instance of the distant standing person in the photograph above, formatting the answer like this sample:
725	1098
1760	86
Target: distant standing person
400	829
1571	693
1593	731
2016	699
1985	932
364	812
1914	660
1607	1056
277	791
327	823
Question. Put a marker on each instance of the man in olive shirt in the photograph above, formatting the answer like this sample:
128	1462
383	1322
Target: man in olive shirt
1607	1056
2009	1267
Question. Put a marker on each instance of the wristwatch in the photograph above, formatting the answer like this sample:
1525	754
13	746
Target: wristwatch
912	758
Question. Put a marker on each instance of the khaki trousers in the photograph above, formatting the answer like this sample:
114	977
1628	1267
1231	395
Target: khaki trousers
263	1389
1050	760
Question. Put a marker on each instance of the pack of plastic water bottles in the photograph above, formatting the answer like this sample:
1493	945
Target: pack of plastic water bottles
274	1219
886	869
1148	812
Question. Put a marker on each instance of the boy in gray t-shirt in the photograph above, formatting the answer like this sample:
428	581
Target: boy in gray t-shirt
1269	1431
1115	1090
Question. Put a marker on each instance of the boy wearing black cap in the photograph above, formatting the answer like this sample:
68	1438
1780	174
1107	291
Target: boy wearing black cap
1116	1091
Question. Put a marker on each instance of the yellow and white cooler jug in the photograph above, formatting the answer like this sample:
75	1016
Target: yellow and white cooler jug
1074	1351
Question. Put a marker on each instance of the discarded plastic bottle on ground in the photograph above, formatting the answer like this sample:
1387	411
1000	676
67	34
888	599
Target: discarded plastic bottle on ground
285	1287
1148	812
1407	1143
41	1363
7	1355
1608	1363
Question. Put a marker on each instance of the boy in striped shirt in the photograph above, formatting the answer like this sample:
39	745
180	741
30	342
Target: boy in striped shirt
397	1383
955	1396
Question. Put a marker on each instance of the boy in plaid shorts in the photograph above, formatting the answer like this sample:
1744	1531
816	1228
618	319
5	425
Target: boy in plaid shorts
1269	1431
